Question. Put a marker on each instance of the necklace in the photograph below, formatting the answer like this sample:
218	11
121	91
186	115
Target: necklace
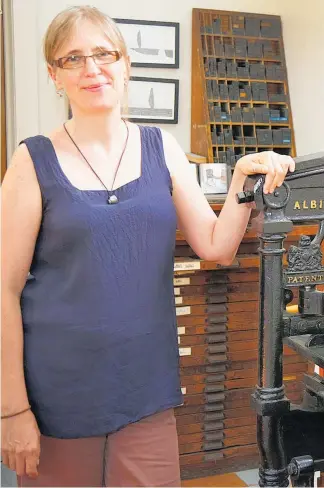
113	198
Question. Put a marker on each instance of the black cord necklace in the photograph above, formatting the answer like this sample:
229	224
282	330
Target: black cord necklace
113	198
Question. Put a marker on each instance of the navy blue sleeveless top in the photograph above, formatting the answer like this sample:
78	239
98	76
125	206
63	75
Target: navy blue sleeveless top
100	336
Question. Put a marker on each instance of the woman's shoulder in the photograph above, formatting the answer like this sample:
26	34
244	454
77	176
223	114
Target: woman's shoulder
33	138
21	170
160	134
23	158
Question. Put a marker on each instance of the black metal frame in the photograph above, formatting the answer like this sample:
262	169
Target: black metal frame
155	23
176	101
279	422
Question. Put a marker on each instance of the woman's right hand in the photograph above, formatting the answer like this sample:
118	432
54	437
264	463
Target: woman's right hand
20	444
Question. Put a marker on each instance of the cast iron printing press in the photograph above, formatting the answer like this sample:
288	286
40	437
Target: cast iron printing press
290	437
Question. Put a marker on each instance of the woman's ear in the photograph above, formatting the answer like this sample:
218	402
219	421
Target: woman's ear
128	67
53	74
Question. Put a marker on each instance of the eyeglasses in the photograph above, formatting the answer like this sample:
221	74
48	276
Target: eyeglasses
75	61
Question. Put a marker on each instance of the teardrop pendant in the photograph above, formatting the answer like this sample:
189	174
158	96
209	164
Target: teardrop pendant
112	200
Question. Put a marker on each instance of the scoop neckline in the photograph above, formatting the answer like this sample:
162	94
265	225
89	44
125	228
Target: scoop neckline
103	190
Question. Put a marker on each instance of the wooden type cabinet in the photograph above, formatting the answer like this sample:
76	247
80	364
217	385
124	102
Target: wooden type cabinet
217	319
240	96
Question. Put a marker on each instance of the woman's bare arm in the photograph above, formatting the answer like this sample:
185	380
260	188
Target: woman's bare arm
21	217
212	238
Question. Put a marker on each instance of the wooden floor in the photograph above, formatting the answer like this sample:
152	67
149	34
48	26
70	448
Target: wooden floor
229	480
224	480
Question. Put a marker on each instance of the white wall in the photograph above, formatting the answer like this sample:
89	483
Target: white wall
38	109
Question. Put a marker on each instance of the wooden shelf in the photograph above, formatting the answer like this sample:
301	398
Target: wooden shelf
244	79
281	146
241	58
247	146
241	36
281	124
262	102
206	91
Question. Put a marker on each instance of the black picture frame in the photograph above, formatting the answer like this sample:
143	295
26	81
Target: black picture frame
149	50
149	95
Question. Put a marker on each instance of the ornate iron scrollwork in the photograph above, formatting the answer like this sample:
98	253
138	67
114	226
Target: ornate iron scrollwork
305	257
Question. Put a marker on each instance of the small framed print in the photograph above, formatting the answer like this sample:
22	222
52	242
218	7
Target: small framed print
152	100
151	44
213	178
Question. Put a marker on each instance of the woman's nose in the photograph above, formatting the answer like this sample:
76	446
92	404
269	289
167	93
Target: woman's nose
90	67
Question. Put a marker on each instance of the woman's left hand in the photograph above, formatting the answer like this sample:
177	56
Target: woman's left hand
275	166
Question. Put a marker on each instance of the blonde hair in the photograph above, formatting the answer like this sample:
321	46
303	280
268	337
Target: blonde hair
62	26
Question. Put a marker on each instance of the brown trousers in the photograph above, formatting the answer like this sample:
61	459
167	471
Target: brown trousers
141	454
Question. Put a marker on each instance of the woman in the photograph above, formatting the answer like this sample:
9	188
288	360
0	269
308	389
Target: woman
91	211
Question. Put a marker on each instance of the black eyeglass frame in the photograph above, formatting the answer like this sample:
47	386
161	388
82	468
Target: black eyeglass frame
59	62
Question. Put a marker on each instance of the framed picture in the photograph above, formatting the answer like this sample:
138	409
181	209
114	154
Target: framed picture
213	178
151	43
153	100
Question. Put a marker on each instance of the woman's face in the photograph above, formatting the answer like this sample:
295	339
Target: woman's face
92	87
